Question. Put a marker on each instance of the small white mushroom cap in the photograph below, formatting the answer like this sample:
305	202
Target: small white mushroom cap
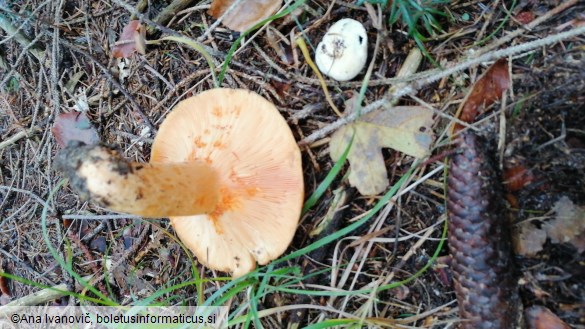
343	51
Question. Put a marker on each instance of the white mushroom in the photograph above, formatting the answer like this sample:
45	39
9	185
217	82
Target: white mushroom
343	51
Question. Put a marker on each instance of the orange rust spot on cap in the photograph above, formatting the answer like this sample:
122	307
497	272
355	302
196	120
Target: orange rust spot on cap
219	145
199	142
195	156
228	202
216	111
252	191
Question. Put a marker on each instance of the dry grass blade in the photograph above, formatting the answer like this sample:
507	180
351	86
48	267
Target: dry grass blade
303	46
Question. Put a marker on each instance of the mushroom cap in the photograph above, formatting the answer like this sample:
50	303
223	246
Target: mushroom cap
242	136
343	51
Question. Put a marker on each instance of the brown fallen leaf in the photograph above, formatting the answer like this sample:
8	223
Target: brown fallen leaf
488	89
4	288
133	38
281	88
404	128
74	126
246	14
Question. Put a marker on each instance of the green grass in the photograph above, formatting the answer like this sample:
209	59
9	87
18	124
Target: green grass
419	16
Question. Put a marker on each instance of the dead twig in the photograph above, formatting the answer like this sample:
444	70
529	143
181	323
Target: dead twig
168	12
18	136
29	193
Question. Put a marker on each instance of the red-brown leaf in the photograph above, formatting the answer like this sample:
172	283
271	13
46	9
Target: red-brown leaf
515	178
281	88
4	288
133	38
74	126
487	90
246	15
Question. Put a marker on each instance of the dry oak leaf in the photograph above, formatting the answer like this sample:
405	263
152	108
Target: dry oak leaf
133	38
404	128
247	13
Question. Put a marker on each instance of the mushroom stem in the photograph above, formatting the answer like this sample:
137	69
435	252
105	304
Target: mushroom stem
144	189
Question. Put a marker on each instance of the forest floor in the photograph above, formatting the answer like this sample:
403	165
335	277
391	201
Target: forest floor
60	60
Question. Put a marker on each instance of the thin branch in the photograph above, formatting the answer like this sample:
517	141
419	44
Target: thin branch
168	12
100	217
18	136
56	59
29	193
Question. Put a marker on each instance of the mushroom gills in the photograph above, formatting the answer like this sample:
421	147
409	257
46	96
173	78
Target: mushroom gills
145	189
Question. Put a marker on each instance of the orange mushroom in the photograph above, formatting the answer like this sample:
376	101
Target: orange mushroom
225	169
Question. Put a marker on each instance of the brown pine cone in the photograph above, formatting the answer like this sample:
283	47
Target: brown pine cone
479	240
